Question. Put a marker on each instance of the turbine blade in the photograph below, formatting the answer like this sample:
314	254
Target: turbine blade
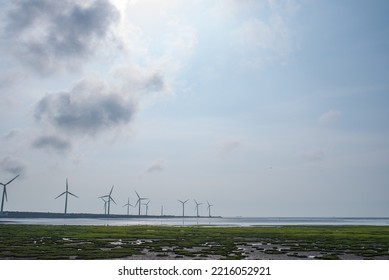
12	179
60	195
186	201
67	187
5	193
111	191
112	200
73	194
180	201
137	194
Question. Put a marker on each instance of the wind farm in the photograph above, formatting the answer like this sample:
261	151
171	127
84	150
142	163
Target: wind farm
142	212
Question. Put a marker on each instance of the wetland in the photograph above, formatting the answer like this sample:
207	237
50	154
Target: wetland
192	242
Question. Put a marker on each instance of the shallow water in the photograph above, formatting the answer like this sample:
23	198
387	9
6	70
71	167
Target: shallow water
232	221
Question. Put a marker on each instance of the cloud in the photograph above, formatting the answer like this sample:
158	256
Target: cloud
229	146
157	165
139	79
52	143
13	166
88	109
49	35
329	117
264	37
10	135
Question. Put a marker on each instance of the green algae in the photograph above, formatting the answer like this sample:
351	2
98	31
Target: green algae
113	242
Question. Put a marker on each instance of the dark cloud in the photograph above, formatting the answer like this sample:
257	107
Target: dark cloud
87	109
52	143
48	35
13	166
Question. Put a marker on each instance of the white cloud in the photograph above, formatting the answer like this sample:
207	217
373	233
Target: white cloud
329	117
263	40
157	165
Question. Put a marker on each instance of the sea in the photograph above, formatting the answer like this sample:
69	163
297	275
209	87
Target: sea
203	221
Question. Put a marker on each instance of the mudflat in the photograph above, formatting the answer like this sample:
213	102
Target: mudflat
193	242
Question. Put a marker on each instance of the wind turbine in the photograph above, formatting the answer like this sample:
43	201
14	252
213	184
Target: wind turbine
183	206
66	196
128	206
197	207
147	206
109	200
139	202
209	209
5	193
105	204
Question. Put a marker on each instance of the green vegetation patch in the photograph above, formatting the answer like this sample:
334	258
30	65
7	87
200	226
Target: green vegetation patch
111	242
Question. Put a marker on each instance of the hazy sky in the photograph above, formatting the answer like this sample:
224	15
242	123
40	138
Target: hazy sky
263	108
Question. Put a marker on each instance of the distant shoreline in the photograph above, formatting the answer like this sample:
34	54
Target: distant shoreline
49	215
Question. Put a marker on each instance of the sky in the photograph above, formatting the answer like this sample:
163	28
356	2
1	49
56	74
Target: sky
262	108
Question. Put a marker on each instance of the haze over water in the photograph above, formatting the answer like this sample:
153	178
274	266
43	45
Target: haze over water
228	221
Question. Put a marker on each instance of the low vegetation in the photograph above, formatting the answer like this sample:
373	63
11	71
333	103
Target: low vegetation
168	242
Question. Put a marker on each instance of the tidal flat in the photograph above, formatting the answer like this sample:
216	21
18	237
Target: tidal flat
193	242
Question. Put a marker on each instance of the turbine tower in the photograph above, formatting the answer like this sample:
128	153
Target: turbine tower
147	207
128	206
109	200
139	201
66	193
209	209
183	206
5	193
197	207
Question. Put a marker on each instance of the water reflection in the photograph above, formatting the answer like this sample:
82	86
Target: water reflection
188	221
